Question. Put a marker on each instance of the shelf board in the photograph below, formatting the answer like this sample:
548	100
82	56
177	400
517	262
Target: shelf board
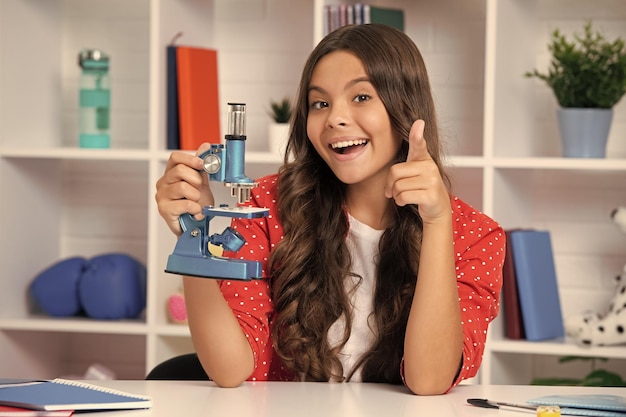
73	325
554	347
451	161
591	164
177	330
113	154
458	161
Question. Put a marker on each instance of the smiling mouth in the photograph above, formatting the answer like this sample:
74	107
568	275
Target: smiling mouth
348	146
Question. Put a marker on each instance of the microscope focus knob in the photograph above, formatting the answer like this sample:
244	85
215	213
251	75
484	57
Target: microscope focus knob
212	163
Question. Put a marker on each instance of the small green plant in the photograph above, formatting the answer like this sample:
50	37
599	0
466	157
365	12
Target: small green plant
587	72
281	110
596	378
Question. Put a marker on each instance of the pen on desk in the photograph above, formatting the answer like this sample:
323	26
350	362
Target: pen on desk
485	403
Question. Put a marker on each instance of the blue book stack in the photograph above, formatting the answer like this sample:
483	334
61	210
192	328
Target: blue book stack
537	284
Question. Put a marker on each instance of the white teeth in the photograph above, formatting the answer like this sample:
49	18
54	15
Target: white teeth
347	143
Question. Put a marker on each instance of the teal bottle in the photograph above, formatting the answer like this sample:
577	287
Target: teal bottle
94	99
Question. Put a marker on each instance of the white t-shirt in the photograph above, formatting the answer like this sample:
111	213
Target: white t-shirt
362	242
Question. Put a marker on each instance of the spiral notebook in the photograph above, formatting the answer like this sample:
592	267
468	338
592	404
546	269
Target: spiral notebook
62	394
585	405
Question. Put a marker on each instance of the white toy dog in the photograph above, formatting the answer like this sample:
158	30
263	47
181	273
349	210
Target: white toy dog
608	328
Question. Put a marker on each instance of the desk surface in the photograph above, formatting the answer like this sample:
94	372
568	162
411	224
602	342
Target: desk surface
301	399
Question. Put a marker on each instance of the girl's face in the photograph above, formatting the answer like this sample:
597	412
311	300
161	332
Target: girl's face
347	122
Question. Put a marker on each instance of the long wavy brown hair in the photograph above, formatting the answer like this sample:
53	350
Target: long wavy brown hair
310	264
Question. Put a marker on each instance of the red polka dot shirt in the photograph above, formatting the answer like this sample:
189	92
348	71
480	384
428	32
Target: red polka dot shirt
479	245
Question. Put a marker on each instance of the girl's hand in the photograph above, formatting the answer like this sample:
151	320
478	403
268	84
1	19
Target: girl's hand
418	180
183	188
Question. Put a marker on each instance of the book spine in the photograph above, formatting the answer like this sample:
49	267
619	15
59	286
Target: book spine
358	14
343	15
334	18
537	284
327	19
514	326
350	14
386	16
367	14
173	134
198	98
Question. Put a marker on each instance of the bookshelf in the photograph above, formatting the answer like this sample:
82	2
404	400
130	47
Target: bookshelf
57	200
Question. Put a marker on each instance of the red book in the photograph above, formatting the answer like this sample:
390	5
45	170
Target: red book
513	322
198	97
6	411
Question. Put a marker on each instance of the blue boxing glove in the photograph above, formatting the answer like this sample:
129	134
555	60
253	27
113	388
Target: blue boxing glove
55	289
113	286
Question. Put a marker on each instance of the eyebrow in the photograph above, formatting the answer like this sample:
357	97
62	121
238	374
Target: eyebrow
350	84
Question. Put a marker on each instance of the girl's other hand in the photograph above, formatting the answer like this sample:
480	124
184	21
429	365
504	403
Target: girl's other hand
183	188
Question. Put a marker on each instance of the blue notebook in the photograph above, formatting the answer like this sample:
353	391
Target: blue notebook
585	405
537	287
61	394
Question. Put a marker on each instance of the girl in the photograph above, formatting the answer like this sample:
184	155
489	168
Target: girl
374	271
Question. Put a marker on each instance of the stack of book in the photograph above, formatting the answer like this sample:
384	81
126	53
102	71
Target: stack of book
336	16
530	295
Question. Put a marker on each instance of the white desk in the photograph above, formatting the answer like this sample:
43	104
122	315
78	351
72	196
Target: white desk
299	399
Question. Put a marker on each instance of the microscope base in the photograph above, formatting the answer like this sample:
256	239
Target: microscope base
214	267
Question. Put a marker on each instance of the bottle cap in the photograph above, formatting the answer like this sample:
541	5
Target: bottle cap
93	58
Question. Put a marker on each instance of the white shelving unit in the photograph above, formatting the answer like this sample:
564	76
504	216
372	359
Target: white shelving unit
57	200
533	187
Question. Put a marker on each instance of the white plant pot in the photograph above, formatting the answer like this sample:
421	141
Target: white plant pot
277	136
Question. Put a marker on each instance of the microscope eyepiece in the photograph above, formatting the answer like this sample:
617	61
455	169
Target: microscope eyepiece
236	121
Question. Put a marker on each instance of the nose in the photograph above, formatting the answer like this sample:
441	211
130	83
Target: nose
339	116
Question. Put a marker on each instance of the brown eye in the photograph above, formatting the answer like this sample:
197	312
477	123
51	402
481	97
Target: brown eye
362	97
316	105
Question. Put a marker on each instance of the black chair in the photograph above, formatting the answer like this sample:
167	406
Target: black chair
185	367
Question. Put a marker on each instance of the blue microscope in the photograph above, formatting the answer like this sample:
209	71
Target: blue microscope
224	163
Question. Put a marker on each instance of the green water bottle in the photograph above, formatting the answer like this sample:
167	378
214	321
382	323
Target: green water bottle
94	99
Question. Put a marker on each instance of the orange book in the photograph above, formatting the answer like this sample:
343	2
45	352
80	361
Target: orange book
198	97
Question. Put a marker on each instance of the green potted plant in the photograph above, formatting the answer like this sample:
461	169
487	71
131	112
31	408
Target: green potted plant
595	378
281	110
278	130
588	77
